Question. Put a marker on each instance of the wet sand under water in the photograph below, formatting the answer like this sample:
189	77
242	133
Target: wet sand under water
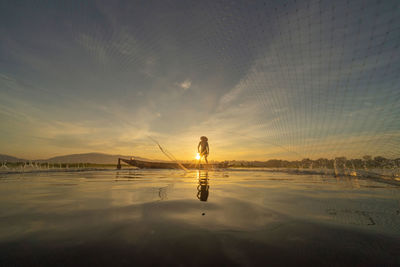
169	217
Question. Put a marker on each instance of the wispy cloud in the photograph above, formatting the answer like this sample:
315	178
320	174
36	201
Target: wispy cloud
186	84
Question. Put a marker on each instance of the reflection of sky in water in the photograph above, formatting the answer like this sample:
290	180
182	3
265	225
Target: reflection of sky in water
230	200
147	209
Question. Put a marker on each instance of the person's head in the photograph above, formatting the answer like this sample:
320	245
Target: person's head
203	138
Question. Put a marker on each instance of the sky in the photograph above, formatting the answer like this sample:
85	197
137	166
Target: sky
261	79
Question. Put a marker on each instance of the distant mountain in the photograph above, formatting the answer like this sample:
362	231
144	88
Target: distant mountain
98	158
8	158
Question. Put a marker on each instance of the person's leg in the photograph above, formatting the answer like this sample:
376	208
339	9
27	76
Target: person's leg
205	158
199	162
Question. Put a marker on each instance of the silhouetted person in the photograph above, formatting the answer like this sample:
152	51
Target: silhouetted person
203	148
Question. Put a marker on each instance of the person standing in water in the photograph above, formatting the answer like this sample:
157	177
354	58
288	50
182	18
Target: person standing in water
203	148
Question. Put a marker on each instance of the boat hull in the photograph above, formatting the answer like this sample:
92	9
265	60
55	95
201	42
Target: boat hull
167	165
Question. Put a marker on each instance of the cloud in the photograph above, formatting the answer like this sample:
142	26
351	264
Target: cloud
186	84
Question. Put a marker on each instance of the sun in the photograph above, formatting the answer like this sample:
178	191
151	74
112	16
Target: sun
197	156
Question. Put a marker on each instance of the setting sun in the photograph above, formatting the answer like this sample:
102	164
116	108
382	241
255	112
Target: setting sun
197	156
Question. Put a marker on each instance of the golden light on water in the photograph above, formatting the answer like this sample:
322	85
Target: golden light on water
197	156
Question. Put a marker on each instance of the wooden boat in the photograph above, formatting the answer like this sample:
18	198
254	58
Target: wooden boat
168	165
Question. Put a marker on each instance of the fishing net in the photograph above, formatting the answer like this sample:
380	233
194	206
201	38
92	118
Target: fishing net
293	80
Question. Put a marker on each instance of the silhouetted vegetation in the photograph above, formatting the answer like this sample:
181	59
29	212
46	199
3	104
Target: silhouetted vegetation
366	162
45	165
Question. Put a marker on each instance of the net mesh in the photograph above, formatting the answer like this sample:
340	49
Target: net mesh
308	79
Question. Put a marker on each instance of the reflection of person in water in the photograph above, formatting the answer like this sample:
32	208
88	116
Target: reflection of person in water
203	148
203	187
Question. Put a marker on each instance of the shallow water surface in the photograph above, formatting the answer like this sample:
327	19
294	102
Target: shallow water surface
202	217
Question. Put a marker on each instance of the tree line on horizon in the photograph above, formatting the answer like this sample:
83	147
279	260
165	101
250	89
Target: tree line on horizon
366	162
